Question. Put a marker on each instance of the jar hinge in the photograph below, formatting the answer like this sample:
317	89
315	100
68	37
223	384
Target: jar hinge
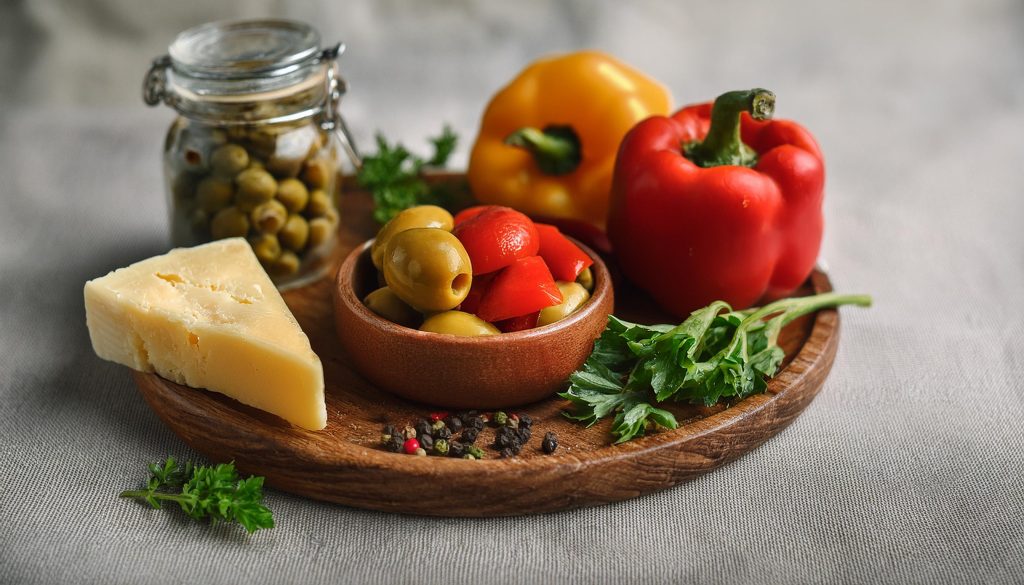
154	87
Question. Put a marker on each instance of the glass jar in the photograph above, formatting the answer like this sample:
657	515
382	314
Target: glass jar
256	146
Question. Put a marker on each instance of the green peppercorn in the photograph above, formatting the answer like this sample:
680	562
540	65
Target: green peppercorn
500	418
437	425
293	194
441	447
421	452
475	451
229	222
468	456
214	194
229	160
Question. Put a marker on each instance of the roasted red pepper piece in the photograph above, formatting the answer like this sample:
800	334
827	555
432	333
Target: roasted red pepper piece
481	283
717	203
524	287
496	237
565	259
521	323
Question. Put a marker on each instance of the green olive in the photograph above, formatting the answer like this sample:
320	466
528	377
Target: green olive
286	264
229	160
255	186
214	194
421	216
428	268
295	233
318	172
269	217
573	297
293	194
318	204
229	222
386	303
320	230
586	278
266	247
183	187
198	220
458	323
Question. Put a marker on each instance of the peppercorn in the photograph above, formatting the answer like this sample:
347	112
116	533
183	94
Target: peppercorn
469	435
389	430
456	449
410	446
512	422
525	420
468	456
436	416
477	422
443	433
426	441
500	418
437	425
504	438
395	443
475	451
441	447
485	418
506	453
410	433
422	427
421	452
454	423
550	443
524	434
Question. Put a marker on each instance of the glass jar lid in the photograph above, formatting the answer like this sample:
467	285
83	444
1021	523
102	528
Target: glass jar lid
243	57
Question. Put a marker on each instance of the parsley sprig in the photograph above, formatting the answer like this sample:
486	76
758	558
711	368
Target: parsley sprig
215	492
716	353
395	176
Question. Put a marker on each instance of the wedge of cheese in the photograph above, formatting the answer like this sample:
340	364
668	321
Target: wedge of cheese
209	317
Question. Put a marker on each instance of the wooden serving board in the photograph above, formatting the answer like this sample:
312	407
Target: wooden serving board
346	464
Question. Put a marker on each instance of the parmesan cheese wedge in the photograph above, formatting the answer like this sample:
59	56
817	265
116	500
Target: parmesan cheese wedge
209	317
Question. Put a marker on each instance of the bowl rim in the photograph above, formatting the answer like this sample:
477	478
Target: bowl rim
347	294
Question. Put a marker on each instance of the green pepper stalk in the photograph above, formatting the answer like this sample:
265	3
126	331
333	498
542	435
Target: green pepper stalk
723	145
555	148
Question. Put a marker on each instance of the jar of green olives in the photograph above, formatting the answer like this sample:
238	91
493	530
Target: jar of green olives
256	146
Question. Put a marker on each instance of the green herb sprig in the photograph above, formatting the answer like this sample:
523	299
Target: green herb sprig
715	353
215	492
395	176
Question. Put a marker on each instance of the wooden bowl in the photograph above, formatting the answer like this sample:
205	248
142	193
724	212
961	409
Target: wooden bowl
496	371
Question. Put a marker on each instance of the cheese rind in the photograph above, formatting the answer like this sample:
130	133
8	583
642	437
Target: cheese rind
209	317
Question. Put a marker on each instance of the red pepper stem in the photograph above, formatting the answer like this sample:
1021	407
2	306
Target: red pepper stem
723	145
556	149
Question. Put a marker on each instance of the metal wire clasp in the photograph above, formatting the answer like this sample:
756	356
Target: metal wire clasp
154	86
336	88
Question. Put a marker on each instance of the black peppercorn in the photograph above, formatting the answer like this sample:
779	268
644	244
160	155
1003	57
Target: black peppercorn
390	430
550	443
454	423
506	453
443	433
427	442
469	435
395	443
524	434
505	437
456	449
475	423
525	420
422	427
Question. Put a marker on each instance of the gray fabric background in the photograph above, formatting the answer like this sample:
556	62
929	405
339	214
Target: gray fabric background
906	469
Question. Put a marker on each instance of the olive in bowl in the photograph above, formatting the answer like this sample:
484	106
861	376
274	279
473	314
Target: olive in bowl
468	372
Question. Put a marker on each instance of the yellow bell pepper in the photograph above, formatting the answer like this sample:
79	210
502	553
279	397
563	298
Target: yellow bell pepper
548	140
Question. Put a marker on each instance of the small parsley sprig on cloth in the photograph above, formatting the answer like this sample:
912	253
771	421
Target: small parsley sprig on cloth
215	492
716	353
395	176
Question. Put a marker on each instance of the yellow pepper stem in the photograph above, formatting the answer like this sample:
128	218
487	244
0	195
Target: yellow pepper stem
555	148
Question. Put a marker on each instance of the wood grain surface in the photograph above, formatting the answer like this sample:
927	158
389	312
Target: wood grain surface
345	463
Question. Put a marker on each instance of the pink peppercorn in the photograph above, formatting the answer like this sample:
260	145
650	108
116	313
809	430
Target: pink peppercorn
410	446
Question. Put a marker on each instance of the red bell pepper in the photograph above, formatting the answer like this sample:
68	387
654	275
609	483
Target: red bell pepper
522	288
481	283
717	202
520	323
565	259
495	237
